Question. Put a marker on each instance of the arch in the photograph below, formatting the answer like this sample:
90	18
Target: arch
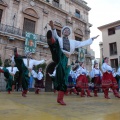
48	81
31	12
78	31
3	3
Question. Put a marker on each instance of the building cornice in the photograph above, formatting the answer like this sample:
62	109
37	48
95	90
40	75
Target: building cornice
61	10
108	25
80	2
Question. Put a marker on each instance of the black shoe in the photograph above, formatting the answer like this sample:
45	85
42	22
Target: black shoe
49	36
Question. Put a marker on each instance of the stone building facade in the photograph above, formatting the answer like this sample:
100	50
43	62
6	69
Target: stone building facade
19	16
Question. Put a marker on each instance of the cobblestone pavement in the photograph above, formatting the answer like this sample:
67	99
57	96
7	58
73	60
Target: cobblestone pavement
45	107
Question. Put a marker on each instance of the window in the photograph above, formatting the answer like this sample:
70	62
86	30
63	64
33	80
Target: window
114	63
58	32
111	31
113	48
77	13
78	39
56	3
29	26
1	11
117	27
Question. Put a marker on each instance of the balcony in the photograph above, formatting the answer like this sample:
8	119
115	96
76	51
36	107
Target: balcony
16	32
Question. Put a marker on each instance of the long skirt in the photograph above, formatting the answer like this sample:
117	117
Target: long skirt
24	72
9	79
39	83
97	82
108	81
82	82
62	70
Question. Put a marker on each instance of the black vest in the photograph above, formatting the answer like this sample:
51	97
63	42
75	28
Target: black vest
66	44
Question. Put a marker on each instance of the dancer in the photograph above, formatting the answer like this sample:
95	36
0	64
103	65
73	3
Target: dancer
25	66
71	83
39	81
82	81
108	81
9	73
61	49
96	75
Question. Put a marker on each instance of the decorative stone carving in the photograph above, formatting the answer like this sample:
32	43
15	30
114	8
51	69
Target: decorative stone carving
31	12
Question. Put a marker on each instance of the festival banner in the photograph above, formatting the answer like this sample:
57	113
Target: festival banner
30	42
81	55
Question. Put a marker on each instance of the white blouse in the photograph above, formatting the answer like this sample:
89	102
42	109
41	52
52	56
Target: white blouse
32	62
12	71
106	67
118	71
95	72
39	76
34	74
73	43
82	71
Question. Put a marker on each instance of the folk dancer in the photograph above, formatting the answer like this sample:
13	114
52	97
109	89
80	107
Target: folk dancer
82	81
96	75
61	49
25	66
39	81
9	73
108	81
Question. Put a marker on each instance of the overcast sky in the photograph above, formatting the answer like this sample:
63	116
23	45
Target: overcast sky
102	12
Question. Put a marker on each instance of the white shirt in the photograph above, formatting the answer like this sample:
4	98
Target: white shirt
81	71
54	73
34	74
72	74
10	70
118	71
39	76
73	43
106	67
32	62
95	72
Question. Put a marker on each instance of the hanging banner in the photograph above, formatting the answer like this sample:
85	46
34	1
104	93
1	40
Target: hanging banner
30	42
81	55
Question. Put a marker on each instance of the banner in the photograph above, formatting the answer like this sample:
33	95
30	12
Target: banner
30	42
81	55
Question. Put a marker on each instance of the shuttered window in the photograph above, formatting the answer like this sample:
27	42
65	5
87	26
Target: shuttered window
29	26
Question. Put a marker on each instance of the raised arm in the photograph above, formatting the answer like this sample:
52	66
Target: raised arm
54	32
36	62
79	44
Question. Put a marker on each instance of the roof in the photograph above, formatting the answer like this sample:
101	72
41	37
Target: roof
109	24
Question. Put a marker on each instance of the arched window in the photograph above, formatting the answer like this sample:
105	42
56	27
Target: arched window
30	19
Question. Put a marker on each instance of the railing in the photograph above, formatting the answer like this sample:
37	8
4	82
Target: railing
6	29
10	29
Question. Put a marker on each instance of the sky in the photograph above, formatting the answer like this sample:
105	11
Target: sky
102	12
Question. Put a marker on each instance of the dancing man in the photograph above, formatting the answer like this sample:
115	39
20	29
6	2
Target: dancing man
9	73
25	66
61	49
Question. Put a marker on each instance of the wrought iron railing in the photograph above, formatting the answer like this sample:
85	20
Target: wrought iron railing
6	29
